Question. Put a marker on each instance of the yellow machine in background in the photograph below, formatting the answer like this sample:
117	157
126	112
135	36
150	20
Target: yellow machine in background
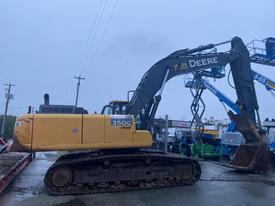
48	132
213	132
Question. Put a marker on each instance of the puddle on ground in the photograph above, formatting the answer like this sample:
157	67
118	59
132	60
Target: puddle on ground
74	202
269	182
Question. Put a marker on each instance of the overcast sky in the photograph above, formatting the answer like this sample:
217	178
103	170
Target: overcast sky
43	44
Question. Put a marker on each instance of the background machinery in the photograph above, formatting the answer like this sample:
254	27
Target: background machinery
117	162
268	83
232	139
262	51
212	148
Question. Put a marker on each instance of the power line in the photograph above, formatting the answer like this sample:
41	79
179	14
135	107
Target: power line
88	42
94	35
106	27
94	31
86	48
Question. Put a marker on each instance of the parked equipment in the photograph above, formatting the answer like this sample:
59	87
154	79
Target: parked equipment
269	125
266	56
231	139
118	163
262	51
268	83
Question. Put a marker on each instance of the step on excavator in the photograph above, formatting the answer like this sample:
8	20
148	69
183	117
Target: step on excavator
117	154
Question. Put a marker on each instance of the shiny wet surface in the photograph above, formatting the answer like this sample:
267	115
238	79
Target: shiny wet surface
219	185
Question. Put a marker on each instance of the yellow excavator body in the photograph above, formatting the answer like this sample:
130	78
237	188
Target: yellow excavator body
110	154
50	132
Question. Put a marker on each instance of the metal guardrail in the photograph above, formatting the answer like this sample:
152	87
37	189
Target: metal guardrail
262	51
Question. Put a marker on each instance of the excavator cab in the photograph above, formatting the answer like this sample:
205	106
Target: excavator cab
115	107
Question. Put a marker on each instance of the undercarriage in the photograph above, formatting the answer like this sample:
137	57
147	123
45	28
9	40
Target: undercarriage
97	172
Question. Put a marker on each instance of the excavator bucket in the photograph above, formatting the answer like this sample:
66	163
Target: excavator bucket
253	156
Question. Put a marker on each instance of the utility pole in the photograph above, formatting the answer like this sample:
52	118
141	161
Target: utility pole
79	78
166	134
9	96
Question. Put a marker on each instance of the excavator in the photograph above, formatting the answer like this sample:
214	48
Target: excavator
111	152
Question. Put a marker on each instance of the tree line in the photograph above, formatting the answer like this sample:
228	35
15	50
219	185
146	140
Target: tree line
9	125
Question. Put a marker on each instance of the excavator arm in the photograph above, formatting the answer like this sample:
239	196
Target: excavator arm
167	68
252	156
144	101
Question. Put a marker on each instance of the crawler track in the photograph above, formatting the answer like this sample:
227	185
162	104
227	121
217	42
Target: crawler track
82	173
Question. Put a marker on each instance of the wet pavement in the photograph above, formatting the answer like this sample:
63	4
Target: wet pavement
219	185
